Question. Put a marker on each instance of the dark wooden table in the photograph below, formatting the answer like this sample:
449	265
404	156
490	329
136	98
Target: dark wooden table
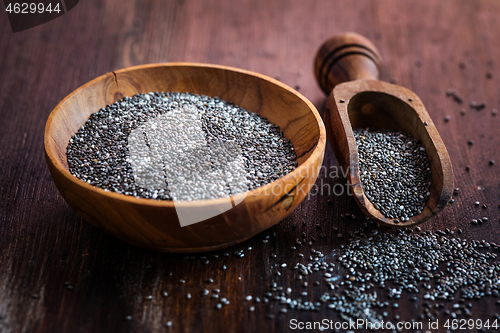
44	243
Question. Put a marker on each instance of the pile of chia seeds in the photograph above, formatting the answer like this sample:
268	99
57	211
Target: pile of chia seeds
443	272
369	277
395	172
119	147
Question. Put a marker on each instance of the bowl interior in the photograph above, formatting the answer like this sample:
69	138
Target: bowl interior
295	115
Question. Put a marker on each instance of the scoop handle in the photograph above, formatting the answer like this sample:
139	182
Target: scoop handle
346	57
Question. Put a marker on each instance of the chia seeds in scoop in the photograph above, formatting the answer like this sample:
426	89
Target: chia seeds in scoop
395	172
178	146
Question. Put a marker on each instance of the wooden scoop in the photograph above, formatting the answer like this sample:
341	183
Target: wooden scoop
347	67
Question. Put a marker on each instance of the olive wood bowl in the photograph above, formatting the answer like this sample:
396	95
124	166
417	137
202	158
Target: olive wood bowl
347	68
154	224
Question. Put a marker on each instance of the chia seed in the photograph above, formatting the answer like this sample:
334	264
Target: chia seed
454	95
395	172
120	140
429	266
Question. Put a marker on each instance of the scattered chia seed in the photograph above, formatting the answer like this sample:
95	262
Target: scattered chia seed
477	106
110	150
395	172
431	266
454	94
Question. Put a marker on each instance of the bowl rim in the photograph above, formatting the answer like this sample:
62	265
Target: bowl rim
319	147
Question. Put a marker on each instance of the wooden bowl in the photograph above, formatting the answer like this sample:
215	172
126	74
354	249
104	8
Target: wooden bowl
154	224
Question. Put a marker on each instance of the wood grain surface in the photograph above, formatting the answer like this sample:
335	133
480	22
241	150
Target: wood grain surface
44	243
